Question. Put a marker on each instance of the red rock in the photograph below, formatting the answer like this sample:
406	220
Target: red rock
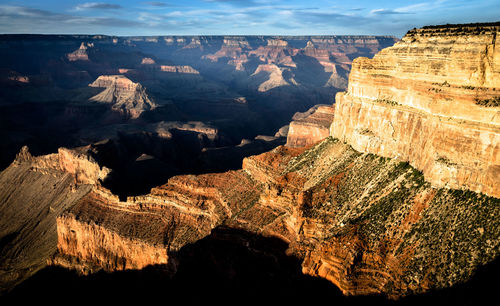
311	127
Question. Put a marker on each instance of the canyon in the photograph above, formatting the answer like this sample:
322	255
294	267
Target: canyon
391	191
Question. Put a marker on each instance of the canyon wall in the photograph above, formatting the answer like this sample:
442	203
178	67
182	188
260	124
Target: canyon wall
433	100
368	224
33	192
310	127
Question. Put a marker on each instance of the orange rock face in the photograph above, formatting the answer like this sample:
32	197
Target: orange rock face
366	223
311	127
439	115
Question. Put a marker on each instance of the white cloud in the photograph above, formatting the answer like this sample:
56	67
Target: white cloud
96	5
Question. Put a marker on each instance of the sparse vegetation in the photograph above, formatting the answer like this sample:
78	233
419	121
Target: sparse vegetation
445	161
387	101
493	102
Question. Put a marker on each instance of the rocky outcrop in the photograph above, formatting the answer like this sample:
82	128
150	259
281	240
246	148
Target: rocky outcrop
269	76
81	53
234	48
168	218
34	190
148	61
81	165
276	52
125	96
179	69
430	114
310	127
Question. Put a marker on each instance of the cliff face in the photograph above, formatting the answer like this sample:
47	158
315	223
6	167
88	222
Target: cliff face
81	53
430	100
126	96
310	127
269	76
366	223
33	192
179	69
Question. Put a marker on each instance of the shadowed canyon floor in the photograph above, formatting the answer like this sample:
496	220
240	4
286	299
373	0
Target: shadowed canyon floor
231	266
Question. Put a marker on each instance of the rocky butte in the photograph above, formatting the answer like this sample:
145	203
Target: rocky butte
80	54
401	198
125	96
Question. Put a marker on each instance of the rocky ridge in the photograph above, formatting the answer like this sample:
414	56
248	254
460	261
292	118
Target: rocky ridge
125	96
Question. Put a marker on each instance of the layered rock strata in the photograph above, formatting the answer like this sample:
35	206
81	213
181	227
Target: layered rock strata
179	69
310	127
125	96
269	76
426	100
368	224
33	192
81	53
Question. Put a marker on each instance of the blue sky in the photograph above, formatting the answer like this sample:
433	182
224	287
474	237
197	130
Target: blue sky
232	17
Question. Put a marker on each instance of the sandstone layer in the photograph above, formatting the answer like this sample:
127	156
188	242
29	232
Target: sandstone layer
310	127
366	223
430	100
33	192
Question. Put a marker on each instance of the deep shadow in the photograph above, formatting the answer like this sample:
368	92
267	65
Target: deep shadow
143	160
229	267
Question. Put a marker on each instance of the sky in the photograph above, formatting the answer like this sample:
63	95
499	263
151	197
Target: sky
238	17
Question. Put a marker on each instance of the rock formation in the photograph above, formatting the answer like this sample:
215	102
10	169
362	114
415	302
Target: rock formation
269	76
81	53
310	127
234	48
126	96
276	52
148	61
431	114
33	191
179	69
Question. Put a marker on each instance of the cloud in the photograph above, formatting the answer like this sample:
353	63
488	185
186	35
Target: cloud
236	2
97	5
388	12
158	4
19	19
